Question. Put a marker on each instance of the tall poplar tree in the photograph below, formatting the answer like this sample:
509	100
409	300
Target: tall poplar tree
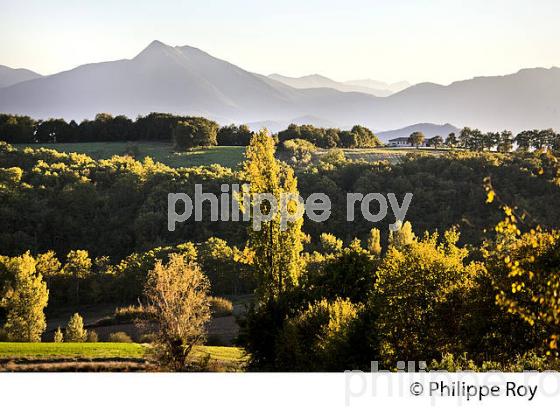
276	252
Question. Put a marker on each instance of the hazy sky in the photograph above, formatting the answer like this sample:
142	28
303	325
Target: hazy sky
420	40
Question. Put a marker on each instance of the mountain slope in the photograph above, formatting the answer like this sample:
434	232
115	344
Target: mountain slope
186	80
319	81
527	99
10	76
160	78
429	130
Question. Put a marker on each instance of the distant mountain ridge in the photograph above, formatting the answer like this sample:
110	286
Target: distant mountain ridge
10	76
373	87
186	80
429	131
375	84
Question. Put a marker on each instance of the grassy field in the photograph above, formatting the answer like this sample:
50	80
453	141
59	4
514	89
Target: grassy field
161	152
112	357
71	350
105	350
230	156
234	355
387	154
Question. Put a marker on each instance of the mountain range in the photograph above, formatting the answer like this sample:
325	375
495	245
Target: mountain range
186	80
429	130
367	86
10	76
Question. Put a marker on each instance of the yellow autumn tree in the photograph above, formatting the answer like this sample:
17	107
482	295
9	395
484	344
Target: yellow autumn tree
532	287
25	299
276	251
421	285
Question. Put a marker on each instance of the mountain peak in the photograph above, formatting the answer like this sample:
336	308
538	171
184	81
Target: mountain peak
154	50
156	44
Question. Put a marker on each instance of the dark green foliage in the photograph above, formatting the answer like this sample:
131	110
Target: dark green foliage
17	129
319	338
346	273
196	132
234	135
108	207
103	128
357	137
437	184
296	151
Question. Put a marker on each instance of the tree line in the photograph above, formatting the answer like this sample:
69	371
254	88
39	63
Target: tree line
504	141
184	131
104	127
188	132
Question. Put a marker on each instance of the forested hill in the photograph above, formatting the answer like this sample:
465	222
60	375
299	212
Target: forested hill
115	206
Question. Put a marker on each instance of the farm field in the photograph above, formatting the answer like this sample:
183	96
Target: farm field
102	356
227	156
160	152
71	350
388	154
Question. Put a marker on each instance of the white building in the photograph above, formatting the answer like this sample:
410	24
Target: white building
399	142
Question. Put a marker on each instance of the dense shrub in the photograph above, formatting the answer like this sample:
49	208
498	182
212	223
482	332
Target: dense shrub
74	331
529	361
58	336
220	306
318	339
119	337
129	314
92	336
297	151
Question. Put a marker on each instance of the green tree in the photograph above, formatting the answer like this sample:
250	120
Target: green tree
319	338
53	131
524	140
330	243
374	242
418	291
490	140
276	251
451	140
531	261
195	132
17	129
417	138
75	331
58	336
464	137
25	300
48	266
184	136
541	139
77	266
403	236
218	261
234	135
505	141
435	142
349	273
